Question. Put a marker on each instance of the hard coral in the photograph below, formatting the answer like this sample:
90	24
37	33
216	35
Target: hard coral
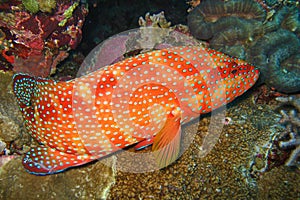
35	43
156	32
155	20
31	5
212	17
265	34
268	54
39	5
291	119
193	4
47	6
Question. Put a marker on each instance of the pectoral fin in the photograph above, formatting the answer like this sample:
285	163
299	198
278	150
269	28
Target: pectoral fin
167	142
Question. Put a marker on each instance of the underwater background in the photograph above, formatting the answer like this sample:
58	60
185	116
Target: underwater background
257	153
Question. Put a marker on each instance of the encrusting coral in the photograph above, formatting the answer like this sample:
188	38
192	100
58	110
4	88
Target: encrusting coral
36	42
264	34
39	5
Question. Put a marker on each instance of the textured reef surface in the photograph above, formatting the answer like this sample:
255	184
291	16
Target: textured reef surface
92	182
14	138
290	111
257	153
35	42
231	170
264	34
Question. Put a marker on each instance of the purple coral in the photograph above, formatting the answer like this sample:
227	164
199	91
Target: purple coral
36	43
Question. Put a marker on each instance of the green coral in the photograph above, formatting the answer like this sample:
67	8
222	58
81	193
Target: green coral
31	5
68	14
39	5
47	5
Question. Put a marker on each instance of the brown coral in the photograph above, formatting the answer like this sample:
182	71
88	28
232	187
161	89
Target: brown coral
266	36
212	17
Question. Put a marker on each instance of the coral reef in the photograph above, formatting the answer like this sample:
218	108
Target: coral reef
36	43
265	34
155	20
47	6
221	174
266	95
283	145
281	177
268	54
160	34
212	17
155	32
107	18
31	5
193	4
291	119
39	5
90	182
13	135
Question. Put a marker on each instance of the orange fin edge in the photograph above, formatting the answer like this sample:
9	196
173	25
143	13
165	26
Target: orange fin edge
167	142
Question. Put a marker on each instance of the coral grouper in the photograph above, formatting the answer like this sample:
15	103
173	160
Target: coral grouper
140	100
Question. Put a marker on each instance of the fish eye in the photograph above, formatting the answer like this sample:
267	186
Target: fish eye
234	71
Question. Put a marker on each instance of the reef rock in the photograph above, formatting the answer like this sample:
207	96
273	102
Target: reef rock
36	42
89	182
11	121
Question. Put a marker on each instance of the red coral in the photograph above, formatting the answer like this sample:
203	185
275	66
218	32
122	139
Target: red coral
36	42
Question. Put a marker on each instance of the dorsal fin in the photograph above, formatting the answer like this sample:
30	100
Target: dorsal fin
24	88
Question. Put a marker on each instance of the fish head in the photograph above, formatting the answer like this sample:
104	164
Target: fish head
237	76
215	78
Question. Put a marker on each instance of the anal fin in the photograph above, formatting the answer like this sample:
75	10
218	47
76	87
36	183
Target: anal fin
43	160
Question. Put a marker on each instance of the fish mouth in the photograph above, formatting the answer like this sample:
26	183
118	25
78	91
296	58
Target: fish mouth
256	74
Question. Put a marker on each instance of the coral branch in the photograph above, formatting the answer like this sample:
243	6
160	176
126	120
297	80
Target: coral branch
291	119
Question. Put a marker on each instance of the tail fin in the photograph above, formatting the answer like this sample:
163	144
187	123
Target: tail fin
24	88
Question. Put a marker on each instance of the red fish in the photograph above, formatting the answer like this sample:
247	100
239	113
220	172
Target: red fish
140	100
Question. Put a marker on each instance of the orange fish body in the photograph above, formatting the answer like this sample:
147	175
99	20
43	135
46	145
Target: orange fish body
145	97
